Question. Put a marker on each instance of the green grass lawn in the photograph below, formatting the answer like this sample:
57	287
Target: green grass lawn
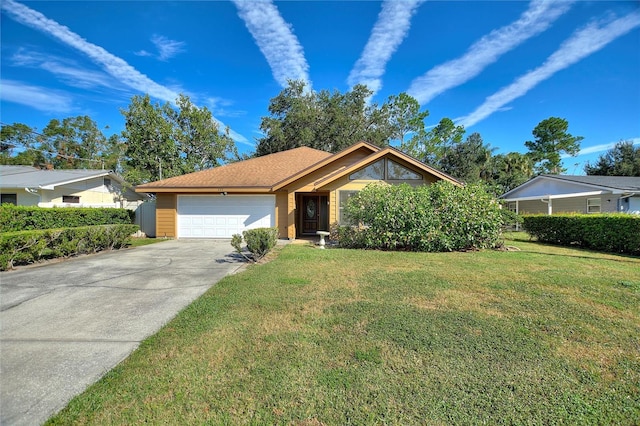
544	335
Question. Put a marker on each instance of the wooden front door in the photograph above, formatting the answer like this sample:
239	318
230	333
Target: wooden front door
310	214
313	216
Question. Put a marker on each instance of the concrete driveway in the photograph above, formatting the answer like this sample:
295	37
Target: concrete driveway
64	325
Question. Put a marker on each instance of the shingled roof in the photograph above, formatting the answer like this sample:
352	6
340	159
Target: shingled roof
255	173
625	183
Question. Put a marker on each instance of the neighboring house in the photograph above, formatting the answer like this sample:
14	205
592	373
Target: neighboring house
582	194
299	191
30	186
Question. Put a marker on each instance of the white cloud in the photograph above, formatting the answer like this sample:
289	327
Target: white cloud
40	98
68	71
581	44
111	64
388	32
536	19
167	48
143	53
601	148
275	39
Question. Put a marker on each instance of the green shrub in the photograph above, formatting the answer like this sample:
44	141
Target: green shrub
438	217
22	218
24	247
612	232
259	241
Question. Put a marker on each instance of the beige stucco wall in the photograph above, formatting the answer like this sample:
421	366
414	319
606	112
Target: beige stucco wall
92	193
23	197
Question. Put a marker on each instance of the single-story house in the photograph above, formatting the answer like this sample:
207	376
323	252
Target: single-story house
30	186
550	194
299	191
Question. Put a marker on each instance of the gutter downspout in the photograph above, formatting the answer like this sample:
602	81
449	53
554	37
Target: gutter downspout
549	204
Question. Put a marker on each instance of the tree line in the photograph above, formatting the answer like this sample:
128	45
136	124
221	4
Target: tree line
165	140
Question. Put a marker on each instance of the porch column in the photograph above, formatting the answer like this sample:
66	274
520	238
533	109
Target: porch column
550	207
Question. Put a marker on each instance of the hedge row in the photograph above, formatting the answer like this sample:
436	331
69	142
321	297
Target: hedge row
614	232
438	217
24	247
22	218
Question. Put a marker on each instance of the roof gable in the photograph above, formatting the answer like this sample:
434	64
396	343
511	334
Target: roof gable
361	146
388	152
546	185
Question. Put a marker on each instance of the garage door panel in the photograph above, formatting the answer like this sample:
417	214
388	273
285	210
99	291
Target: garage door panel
222	216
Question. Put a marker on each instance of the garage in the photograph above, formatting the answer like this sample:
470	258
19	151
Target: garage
221	216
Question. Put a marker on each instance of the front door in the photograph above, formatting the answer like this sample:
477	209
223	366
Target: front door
314	214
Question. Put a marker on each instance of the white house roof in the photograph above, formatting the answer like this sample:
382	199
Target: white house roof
31	177
563	186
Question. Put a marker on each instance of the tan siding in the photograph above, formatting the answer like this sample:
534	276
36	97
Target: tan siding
291	217
282	213
166	215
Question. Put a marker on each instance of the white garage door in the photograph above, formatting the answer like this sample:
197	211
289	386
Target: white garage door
218	216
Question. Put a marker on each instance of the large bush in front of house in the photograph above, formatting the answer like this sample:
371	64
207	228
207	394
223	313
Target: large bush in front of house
260	241
22	218
24	247
433	218
610	232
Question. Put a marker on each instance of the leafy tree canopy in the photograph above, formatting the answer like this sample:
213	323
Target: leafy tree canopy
163	141
332	121
622	160
468	160
552	139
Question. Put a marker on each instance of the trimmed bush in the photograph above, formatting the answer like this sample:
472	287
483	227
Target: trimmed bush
22	218
613	232
433	218
24	247
259	241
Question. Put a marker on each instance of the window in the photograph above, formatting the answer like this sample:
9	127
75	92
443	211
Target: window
72	199
373	171
385	168
511	206
9	199
397	172
343	198
593	205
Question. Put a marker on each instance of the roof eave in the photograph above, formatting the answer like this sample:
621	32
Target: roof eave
202	189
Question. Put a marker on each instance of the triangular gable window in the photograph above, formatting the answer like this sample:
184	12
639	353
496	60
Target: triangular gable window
373	171
378	171
397	172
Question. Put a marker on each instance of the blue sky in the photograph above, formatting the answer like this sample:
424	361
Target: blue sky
497	67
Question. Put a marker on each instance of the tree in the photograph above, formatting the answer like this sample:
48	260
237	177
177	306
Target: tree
468	160
75	142
163	141
432	146
329	121
19	146
507	171
622	160
551	141
405	116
